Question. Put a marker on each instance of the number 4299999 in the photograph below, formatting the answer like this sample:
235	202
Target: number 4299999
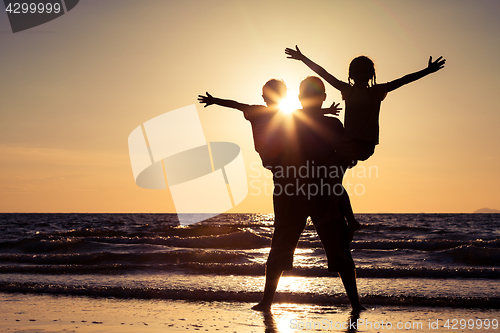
485	324
40	8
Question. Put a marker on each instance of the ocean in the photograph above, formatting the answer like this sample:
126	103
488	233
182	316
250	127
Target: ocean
449	260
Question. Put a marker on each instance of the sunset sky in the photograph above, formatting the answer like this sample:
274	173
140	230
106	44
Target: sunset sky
73	89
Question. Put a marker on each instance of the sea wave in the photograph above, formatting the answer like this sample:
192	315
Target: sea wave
475	255
218	295
147	258
204	266
423	244
243	238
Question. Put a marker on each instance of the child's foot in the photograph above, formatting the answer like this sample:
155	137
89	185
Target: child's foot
353	226
262	307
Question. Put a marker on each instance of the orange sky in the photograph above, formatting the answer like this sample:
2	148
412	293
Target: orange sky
74	88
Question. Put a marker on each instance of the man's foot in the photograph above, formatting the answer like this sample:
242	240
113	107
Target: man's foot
353	226
356	309
262	307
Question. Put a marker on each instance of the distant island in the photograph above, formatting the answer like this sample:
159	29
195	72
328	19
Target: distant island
487	211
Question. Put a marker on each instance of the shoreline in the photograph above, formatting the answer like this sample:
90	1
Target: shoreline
29	313
400	292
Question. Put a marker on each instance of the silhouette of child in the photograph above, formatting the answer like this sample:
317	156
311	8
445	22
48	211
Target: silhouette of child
362	106
267	121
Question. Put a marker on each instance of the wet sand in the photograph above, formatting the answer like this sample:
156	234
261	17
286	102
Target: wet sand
29	313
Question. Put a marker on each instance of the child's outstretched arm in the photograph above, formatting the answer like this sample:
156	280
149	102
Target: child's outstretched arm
297	55
432	67
334	109
209	100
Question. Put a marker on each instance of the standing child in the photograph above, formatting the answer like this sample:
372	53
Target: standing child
362	106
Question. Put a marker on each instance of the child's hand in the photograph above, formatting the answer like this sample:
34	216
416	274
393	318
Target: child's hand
294	54
208	100
334	109
434	66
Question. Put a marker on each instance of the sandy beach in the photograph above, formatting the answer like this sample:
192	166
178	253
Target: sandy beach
50	313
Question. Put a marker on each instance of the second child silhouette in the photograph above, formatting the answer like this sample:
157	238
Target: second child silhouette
363	97
266	120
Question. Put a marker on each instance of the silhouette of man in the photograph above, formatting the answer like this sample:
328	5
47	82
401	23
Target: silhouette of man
286	145
302	189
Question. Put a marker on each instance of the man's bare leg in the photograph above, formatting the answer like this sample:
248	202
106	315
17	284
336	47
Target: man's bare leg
272	279
349	280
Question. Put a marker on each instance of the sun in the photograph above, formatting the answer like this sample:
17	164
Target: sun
288	105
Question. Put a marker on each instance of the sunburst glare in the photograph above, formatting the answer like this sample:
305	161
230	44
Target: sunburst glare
288	105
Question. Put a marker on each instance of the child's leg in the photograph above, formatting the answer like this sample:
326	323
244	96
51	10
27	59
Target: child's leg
340	204
334	211
346	211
